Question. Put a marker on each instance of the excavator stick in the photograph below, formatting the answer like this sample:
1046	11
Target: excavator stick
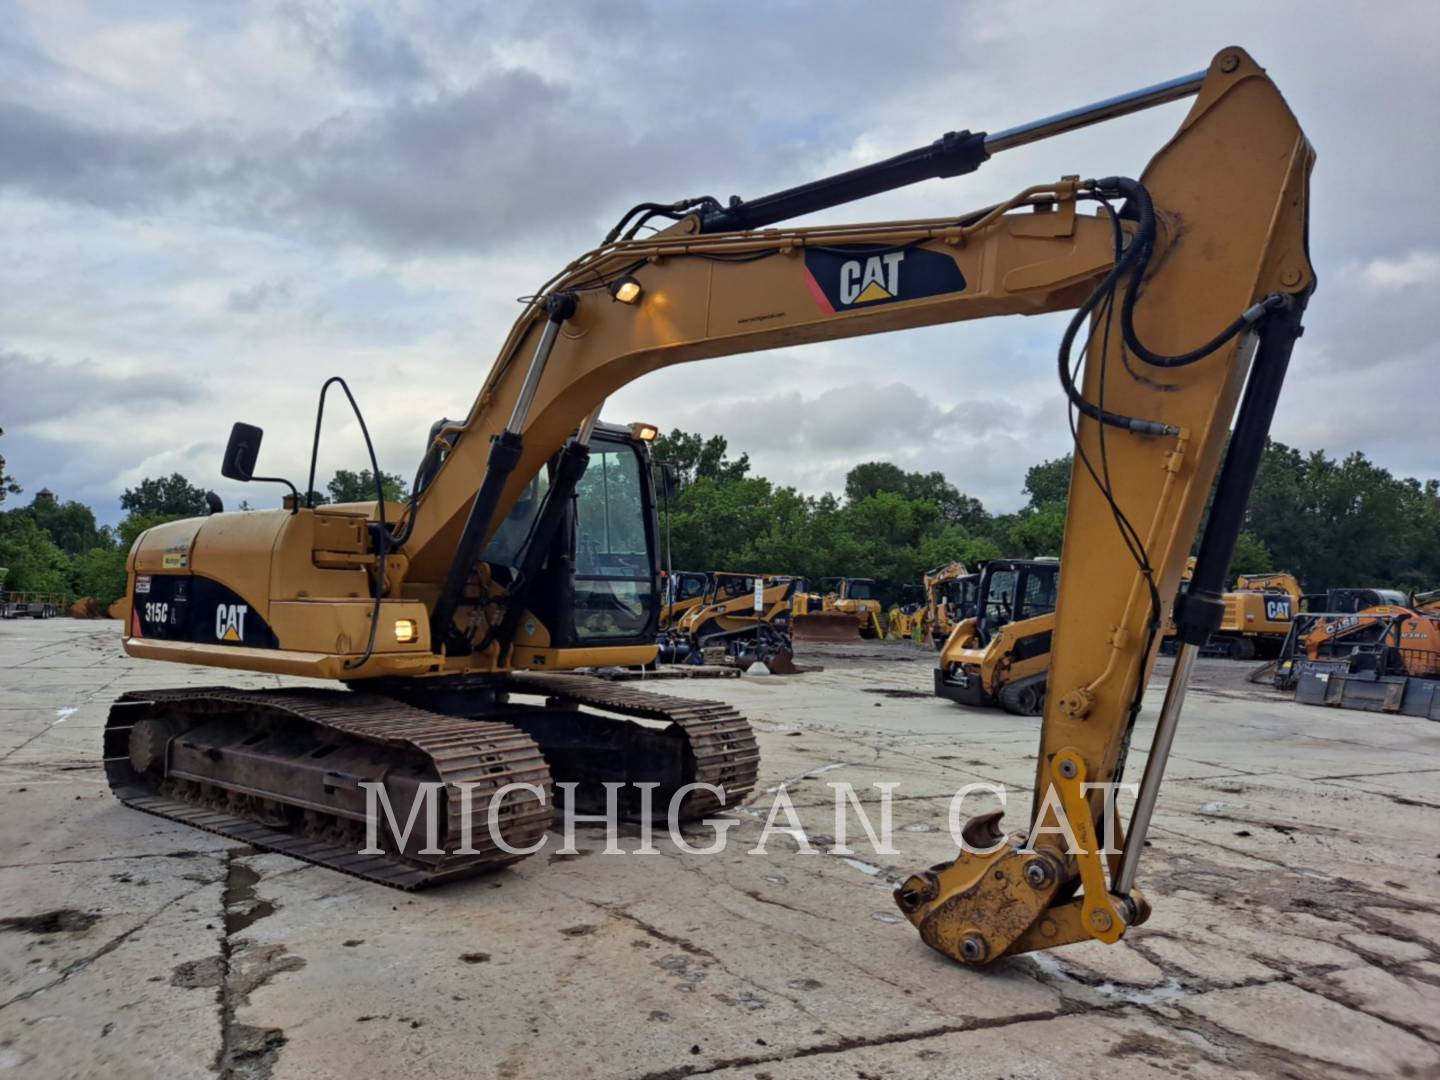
1155	401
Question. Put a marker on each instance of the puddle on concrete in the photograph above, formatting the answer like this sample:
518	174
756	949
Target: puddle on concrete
242	907
1056	971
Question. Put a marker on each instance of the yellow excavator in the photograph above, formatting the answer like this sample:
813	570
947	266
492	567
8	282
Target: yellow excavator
528	544
1001	654
1259	612
949	598
844	610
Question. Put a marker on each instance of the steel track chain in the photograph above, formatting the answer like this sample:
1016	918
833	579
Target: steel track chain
720	739
485	754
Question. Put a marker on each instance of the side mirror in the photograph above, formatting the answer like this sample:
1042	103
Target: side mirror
241	452
669	479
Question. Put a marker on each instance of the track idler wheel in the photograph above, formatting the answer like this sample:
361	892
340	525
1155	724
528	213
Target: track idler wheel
150	743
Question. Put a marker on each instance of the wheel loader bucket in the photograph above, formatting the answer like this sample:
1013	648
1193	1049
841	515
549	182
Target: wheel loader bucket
830	626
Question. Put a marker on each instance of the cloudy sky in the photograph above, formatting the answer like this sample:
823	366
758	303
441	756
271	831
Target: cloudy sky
207	208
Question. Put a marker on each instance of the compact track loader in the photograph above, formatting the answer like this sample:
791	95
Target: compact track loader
1001	655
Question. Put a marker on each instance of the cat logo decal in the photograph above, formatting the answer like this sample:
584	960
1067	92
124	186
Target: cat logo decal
844	278
230	622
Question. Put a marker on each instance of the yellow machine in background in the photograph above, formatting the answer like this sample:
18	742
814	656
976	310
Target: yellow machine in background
949	598
681	591
846	610
727	614
1258	613
907	618
1001	655
528	545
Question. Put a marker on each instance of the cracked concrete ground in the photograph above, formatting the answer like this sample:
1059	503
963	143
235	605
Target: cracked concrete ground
1293	870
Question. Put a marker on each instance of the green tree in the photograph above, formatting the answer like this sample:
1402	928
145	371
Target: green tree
1038	531
34	562
350	487
713	521
70	525
1251	555
173	495
955	543
1344	522
1049	482
875	477
100	574
695	457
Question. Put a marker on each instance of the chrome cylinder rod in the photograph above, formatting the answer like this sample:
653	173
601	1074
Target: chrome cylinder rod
532	376
1154	770
1123	105
587	426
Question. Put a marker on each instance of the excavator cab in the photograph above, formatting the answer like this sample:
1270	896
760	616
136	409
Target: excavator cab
608	541
960	597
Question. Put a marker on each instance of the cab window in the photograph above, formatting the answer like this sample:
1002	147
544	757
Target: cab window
614	584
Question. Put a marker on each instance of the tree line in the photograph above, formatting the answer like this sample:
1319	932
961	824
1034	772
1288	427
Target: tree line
1330	521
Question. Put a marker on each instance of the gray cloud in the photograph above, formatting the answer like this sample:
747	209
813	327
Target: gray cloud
361	44
37	390
500	153
53	157
262	296
510	157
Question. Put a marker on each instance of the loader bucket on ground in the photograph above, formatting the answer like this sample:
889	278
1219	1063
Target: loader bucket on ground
782	663
831	626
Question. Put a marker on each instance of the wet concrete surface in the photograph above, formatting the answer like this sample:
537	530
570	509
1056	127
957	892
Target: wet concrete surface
1294	869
